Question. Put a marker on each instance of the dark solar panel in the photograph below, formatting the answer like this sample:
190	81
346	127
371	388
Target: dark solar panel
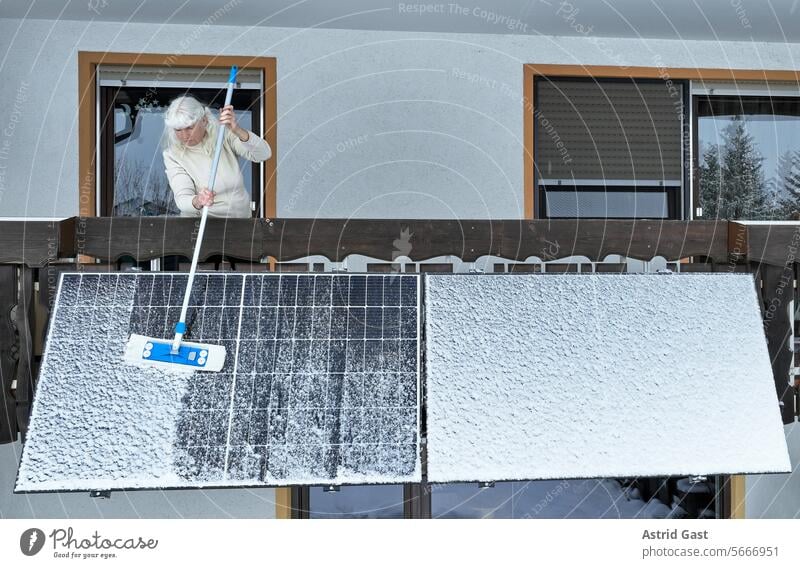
320	384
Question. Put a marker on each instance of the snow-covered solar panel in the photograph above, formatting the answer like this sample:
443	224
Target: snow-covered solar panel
580	376
320	384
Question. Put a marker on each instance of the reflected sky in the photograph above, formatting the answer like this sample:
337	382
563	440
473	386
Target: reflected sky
364	502
552	499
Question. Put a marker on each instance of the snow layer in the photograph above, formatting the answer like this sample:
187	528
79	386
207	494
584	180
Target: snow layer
308	394
97	423
579	376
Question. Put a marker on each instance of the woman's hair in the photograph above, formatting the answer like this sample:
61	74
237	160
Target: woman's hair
185	111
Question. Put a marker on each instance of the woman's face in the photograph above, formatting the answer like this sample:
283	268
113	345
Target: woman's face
192	135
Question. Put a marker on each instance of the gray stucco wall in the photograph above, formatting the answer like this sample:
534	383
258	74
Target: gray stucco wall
370	124
776	496
173	504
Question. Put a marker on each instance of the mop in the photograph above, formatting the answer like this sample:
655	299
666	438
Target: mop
177	354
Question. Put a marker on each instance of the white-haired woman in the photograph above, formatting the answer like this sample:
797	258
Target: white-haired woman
191	132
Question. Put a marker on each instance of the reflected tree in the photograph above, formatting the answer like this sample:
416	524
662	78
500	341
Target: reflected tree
788	183
732	184
141	192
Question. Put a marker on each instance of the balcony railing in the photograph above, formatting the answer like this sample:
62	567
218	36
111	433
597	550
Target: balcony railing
34	252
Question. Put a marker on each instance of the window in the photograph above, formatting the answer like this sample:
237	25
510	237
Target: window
748	155
610	202
133	101
367	502
556	499
609	148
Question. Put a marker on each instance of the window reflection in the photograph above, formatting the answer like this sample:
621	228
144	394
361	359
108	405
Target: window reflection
749	157
140	184
357	502
137	185
141	187
555	499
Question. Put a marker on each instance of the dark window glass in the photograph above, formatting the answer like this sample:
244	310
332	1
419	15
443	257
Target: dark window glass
609	148
556	499
608	203
366	502
132	178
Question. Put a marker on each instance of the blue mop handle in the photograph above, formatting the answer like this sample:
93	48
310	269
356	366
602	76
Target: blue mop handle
180	327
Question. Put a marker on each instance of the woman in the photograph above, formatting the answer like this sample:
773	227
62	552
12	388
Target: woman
191	133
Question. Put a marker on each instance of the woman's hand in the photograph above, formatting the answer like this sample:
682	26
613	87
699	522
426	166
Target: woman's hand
228	118
204	197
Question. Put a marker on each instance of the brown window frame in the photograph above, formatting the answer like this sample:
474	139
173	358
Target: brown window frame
531	70
88	61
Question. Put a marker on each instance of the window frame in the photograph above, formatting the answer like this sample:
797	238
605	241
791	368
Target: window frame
89	120
699	94
530	71
672	193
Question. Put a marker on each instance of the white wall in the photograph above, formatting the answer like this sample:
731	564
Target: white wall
435	142
184	503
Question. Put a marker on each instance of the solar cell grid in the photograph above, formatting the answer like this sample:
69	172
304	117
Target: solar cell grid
319	385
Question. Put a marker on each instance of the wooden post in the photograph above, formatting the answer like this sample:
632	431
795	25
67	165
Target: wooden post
737	500
777	289
8	299
283	503
417	501
300	502
26	372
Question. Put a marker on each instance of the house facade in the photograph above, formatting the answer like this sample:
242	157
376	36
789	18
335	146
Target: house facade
491	121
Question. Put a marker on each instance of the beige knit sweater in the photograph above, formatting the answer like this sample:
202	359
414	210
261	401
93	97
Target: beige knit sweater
188	169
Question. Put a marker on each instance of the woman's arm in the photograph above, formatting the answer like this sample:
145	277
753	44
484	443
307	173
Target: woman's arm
181	184
254	148
243	142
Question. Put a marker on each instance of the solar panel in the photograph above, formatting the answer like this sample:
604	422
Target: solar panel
581	376
320	384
